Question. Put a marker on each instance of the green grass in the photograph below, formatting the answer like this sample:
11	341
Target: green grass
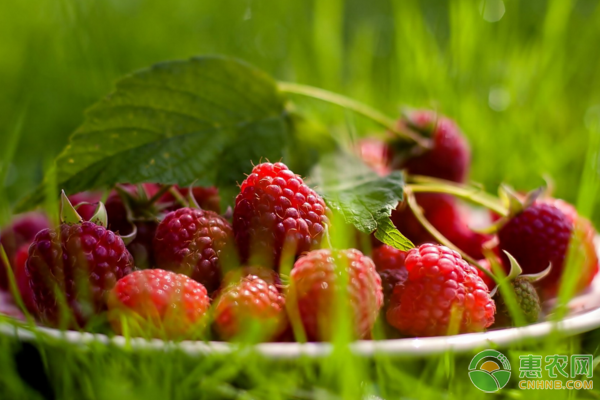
525	90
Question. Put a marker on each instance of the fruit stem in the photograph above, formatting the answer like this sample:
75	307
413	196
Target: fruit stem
412	203
471	194
357	107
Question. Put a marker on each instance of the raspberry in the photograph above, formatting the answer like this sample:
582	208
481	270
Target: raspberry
160	304
193	242
8	307
266	274
389	263
442	211
583	240
490	283
82	262
22	279
206	197
390	278
536	237
387	257
274	208
313	290
450	156
20	232
249	305
86	211
442	295
377	154
143	214
527	299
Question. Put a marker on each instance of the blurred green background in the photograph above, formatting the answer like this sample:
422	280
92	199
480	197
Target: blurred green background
520	77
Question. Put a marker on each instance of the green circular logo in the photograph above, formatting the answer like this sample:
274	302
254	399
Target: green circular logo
489	370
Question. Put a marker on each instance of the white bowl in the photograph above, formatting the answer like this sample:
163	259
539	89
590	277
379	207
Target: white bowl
584	316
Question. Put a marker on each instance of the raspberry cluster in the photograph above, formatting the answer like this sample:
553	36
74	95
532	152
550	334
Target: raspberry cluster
165	263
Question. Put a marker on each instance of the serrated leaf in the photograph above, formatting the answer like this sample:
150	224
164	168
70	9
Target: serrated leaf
204	119
387	233
364	199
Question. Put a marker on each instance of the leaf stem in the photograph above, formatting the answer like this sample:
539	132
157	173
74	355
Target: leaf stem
437	235
356	106
471	194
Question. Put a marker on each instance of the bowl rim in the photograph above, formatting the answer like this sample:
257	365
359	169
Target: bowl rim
583	320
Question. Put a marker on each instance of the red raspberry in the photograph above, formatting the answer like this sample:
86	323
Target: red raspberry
536	237
583	238
313	289
9	308
274	208
81	261
22	279
442	211
195	243
266	274
377	154
387	257
20	232
390	267
207	197
490	283
440	286
450	157
157	303
390	278
251	304
86	211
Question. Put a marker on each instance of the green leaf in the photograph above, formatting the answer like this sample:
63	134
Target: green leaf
387	233
364	199
204	119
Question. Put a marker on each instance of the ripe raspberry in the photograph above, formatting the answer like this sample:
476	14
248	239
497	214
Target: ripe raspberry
377	154
23	280
387	257
20	232
207	198
274	208
157	303
253	307
390	278
9	308
527	299
442	211
195	243
389	263
450	157
266	274
313	289
86	211
583	240
490	283
536	237
80	261
443	294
